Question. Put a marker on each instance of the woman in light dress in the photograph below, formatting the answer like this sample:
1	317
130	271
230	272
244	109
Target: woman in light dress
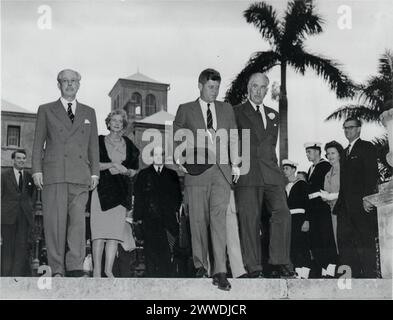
111	200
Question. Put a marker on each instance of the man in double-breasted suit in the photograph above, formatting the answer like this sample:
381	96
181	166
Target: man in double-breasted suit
65	166
357	225
16	217
207	193
264	183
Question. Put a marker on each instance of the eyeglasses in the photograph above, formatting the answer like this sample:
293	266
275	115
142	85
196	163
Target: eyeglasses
350	127
66	81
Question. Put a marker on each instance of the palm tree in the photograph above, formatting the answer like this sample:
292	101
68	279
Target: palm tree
286	37
373	98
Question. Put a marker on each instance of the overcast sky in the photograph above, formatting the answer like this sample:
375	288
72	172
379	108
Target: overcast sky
172	41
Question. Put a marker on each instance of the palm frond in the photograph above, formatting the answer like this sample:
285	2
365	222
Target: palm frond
376	91
357	111
264	18
300	20
328	69
386	64
259	62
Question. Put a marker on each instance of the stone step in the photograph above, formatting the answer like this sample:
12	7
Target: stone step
192	289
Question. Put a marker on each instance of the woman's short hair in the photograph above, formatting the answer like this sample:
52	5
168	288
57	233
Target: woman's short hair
114	113
336	145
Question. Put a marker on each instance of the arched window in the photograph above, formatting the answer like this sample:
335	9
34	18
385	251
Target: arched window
150	104
136	104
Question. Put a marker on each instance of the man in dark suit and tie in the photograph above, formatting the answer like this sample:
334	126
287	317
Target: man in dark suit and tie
65	165
157	201
16	217
357	225
264	183
204	122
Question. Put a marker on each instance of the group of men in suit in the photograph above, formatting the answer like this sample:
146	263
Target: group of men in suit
207	190
357	226
66	166
207	193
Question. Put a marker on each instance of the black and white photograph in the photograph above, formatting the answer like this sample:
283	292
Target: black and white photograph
206	151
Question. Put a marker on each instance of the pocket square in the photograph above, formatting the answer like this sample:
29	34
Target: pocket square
87	121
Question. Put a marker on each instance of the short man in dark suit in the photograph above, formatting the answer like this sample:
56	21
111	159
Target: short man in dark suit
209	125
16	217
157	201
264	183
65	166
357	225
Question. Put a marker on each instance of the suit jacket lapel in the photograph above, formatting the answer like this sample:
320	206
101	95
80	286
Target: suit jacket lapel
197	110
269	122
79	118
251	115
353	150
25	181
60	113
219	115
12	178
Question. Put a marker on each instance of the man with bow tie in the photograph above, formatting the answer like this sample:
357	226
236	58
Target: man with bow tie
16	217
65	167
263	184
357	225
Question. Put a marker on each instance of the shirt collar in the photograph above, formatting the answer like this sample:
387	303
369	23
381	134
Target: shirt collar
353	142
156	167
254	105
16	171
204	103
65	103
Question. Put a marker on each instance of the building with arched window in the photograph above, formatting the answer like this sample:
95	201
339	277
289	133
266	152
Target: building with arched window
140	96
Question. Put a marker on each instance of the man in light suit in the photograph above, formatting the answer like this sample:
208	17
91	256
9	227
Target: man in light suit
207	193
357	224
264	183
16	217
65	166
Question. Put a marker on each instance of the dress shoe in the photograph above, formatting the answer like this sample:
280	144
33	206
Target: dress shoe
282	271
57	275
220	280
255	274
244	275
75	273
201	273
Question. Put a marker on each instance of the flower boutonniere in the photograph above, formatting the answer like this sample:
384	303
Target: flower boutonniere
271	115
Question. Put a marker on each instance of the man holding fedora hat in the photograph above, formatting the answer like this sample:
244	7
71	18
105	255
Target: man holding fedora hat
208	171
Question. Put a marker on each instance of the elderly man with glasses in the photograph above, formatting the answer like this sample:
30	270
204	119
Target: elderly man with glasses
356	219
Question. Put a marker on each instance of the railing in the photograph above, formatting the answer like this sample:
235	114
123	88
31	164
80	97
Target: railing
38	250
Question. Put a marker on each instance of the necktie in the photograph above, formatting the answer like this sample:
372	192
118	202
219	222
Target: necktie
209	117
260	116
159	170
69	112
20	182
348	150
